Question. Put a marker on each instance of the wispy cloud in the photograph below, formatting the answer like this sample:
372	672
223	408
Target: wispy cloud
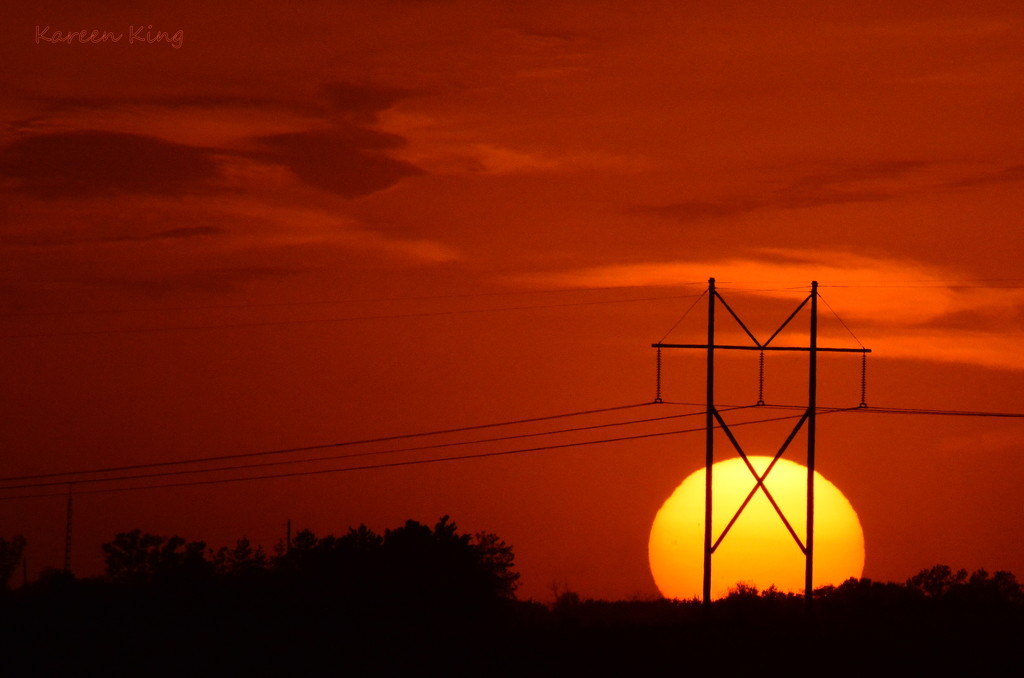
184	233
215	280
841	184
838	185
440	148
347	162
1005	175
203	121
289	225
363	102
80	147
901	304
90	163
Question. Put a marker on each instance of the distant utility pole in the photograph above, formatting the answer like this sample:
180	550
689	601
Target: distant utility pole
288	537
67	535
713	417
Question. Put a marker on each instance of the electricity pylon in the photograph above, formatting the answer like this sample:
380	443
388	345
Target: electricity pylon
713	417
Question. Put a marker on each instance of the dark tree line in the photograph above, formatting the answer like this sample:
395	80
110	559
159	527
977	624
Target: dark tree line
420	596
411	564
169	606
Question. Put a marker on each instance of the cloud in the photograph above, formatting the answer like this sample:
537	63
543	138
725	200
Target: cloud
347	161
837	185
180	233
92	163
23	240
198	280
861	285
1006	175
440	150
899	306
494	159
362	103
992	349
200	121
167	145
294	225
699	210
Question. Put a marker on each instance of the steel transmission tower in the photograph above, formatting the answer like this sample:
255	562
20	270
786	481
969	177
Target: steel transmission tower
714	417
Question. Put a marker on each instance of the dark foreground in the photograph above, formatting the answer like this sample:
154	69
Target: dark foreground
94	627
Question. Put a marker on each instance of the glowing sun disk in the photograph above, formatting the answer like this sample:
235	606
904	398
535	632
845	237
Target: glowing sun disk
758	549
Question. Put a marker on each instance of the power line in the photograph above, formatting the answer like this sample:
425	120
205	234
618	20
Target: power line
841	321
935	284
682	317
868	410
899	410
941	413
395	464
309	460
66	475
312	321
316	302
248	455
309	448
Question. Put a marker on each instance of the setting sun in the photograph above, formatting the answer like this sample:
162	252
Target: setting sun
758	550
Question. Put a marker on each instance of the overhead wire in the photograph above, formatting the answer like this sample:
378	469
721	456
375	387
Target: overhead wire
922	284
841	321
318	302
394	464
940	413
308	460
685	313
479	455
933	284
313	321
309	448
897	410
65	476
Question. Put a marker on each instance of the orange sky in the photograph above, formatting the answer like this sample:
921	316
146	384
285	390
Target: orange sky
295	228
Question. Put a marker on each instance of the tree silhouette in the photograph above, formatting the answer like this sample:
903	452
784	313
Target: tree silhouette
937	581
11	551
498	561
421	598
330	563
137	557
242	560
412	564
1001	586
440	564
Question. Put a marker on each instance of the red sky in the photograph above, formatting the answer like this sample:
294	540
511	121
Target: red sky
334	221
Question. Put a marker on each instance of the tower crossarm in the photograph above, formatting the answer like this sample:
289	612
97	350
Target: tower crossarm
763	348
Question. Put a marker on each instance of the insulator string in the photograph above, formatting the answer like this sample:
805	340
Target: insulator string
657	386
863	380
760	380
